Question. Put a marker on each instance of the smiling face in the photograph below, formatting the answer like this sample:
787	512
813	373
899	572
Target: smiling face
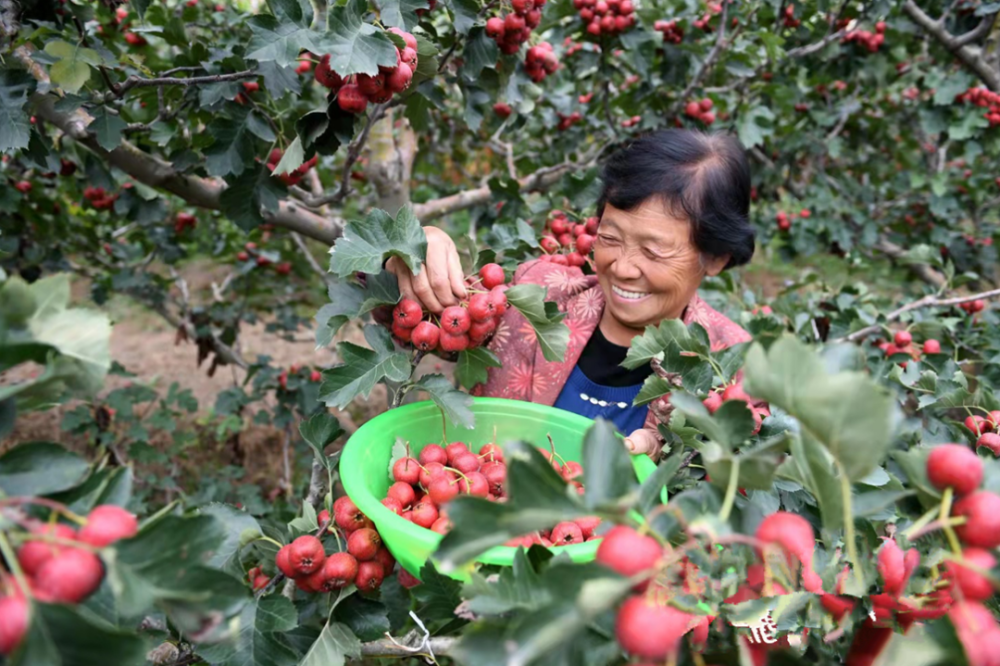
648	268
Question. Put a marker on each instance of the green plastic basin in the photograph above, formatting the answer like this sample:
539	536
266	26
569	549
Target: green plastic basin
364	465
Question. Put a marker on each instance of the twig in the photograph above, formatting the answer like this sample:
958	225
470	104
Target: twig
310	259
138	82
925	302
720	43
971	58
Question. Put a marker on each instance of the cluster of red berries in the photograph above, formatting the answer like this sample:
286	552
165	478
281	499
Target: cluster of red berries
972	307
984	98
293	370
735	392
184	221
565	122
293	177
567	243
355	91
672	33
902	343
572	47
704	23
57	571
502	109
540	62
133	39
514	29
785	219
985	430
98	198
250	250
870	40
788	18
23	186
632	122
366	562
700	110
459	327
606	17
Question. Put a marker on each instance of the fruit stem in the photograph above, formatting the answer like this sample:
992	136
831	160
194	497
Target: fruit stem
15	567
946	500
270	540
922	522
58	541
41	501
552	450
727	503
852	546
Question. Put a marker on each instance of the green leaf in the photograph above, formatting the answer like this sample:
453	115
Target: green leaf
248	193
15	86
517	587
671	335
480	52
653	489
233	149
811	466
368	619
400	13
608	475
234	521
363	368
366	244
755	126
291	159
757	465
544	317
355	47
63	635
334	644
847	412
72	69
107	486
438	596
730	426
40	468
466	13
292	11
473	366
380	289
652	388
319	431
259	641
455	404
346	299
107	128
281	42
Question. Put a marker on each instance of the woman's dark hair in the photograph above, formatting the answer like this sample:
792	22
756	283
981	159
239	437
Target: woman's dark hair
703	177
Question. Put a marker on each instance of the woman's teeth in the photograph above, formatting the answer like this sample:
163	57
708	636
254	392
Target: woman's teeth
629	295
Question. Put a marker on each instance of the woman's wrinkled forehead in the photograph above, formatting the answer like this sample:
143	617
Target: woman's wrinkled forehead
651	221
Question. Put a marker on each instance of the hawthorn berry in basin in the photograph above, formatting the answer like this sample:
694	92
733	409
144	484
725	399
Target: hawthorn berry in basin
364	466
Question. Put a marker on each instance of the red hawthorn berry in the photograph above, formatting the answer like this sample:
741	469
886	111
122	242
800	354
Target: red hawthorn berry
502	109
315	376
425	514
455	320
107	524
498	300
251	86
442	489
406	470
453	343
495	28
466	462
425	336
370	576
385	558
989	441
399	79
481	330
571	470
736	392
645	628
349	517
432	453
454	450
954	466
496	476
363	543
492	275
891	568
480	308
407	313
566	533
982	526
33	554
584	244
903	338
407	580
23	186
401	332
792	533
403	492
932	347
587	525
284	268
351	99
69	577
242	256
338	571
973	585
325	76
260	582
13	622
712	402
284	563
306	554
627	552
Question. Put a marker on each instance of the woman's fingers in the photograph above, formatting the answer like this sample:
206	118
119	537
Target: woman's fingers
437	268
643	441
425	293
455	274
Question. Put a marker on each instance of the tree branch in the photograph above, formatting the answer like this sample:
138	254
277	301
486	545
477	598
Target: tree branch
970	58
977	33
923	271
720	43
139	82
411	645
925	302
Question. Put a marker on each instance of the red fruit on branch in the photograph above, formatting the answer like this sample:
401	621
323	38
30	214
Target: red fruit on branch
325	76
891	568
502	109
385	558
491	453
646	628
498	300
33	554
283	562
932	347
306	554
954	466
400	78
69	577
349	517
363	543
982	526
13	623
401	332
492	275
338	571
566	533
977	424
902	338
351	99
627	552
456	321
453	343
107	524
407	313
792	533
481	330
370	576
990	441
425	336
973	585
712	402
480	308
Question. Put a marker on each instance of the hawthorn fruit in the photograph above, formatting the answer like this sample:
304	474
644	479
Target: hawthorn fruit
363	543
954	466
13	622
33	554
648	629
369	576
973	585
69	577
306	555
107	524
982	526
627	552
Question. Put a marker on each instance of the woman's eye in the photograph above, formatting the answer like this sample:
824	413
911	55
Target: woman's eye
604	238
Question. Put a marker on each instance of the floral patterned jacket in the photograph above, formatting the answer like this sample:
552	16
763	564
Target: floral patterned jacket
526	375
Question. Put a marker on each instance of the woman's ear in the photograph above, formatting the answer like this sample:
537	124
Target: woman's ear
714	265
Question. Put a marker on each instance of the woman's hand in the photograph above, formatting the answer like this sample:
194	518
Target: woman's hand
440	282
643	441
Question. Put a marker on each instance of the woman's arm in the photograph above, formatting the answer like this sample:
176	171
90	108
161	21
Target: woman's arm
440	282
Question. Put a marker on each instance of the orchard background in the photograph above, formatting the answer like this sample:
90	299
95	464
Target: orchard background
181	170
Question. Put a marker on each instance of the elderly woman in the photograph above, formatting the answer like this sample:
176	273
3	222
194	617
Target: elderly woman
674	209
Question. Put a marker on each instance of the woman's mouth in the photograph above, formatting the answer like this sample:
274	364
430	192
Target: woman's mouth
628	296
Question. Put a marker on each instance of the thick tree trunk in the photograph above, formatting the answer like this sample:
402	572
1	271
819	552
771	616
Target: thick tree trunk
391	152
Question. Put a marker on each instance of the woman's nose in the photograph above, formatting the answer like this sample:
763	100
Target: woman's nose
625	268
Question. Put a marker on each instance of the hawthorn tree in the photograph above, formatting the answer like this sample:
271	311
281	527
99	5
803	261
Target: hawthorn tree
137	136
